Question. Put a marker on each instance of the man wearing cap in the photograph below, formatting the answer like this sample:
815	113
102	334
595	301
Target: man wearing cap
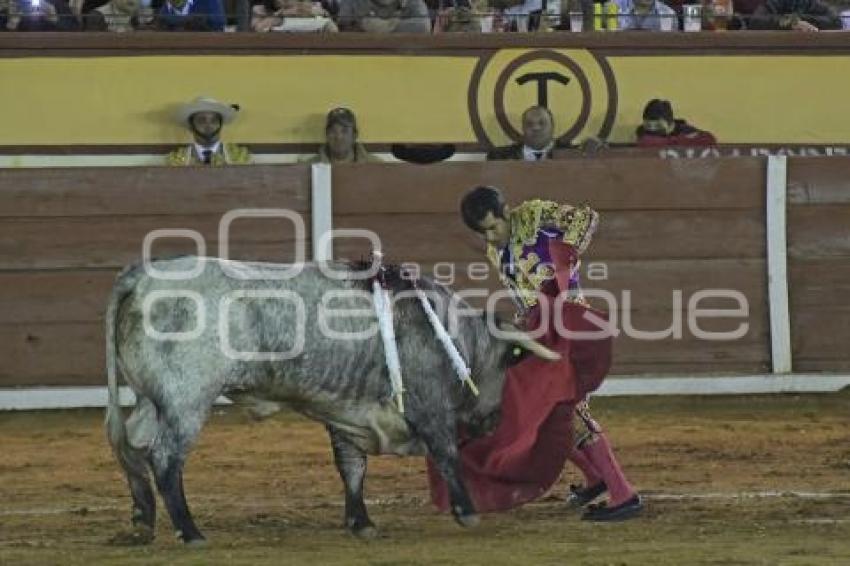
341	145
205	117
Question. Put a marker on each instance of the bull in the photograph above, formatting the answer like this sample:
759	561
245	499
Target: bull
179	342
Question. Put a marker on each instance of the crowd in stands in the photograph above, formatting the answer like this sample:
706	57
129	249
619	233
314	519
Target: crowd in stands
206	117
421	16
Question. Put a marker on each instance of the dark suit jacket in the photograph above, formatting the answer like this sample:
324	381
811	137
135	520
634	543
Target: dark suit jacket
511	152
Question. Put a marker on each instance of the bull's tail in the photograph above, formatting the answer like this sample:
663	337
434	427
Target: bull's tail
131	459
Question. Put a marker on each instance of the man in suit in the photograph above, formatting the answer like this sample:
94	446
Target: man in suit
538	127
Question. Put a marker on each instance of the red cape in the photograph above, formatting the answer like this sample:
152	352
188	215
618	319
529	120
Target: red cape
526	453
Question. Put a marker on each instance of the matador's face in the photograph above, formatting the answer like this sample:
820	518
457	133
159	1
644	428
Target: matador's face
496	230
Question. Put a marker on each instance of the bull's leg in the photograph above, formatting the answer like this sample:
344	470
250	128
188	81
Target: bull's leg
169	482
351	464
144	503
167	458
440	438
141	430
132	453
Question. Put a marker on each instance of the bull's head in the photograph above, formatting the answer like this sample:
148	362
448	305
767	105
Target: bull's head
502	353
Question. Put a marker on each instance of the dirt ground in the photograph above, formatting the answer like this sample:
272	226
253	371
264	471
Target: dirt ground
731	480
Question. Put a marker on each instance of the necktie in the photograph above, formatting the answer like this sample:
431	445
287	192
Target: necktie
207	156
538	155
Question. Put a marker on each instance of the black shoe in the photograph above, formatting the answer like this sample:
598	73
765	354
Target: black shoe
580	496
622	512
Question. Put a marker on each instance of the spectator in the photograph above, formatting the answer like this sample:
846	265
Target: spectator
205	118
291	15
456	16
745	7
538	127
40	15
82	7
384	16
115	16
191	15
795	15
521	15
645	15
661	128
741	12
538	143
341	145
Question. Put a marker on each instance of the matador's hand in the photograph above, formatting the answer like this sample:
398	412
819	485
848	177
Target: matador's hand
519	320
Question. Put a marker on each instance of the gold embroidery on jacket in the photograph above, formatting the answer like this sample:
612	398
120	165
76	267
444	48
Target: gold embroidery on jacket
232	154
577	225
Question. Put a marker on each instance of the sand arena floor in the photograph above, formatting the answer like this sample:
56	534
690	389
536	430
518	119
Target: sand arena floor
735	480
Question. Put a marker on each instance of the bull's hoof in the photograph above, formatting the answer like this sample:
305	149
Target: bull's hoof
368	532
468	521
263	409
140	535
191	538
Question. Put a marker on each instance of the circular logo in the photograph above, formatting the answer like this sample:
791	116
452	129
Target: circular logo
576	85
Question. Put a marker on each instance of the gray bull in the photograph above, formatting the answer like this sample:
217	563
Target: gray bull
340	382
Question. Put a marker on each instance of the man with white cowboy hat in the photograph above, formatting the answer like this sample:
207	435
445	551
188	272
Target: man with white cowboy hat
205	117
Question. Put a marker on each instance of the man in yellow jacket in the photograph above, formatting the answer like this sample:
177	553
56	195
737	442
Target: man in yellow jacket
205	117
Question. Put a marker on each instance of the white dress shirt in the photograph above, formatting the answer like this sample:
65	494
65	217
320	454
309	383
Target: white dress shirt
529	154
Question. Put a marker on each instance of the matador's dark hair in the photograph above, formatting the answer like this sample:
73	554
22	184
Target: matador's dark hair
477	202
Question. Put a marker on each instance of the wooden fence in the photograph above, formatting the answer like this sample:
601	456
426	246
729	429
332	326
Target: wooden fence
668	227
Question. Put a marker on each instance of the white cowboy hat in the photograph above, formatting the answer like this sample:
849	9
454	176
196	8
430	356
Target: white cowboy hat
207	104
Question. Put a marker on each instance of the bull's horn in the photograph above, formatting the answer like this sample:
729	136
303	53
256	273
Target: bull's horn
526	341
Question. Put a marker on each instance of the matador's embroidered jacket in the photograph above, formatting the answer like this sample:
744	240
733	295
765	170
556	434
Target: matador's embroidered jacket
526	262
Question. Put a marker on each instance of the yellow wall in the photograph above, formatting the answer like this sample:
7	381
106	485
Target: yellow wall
775	99
130	100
